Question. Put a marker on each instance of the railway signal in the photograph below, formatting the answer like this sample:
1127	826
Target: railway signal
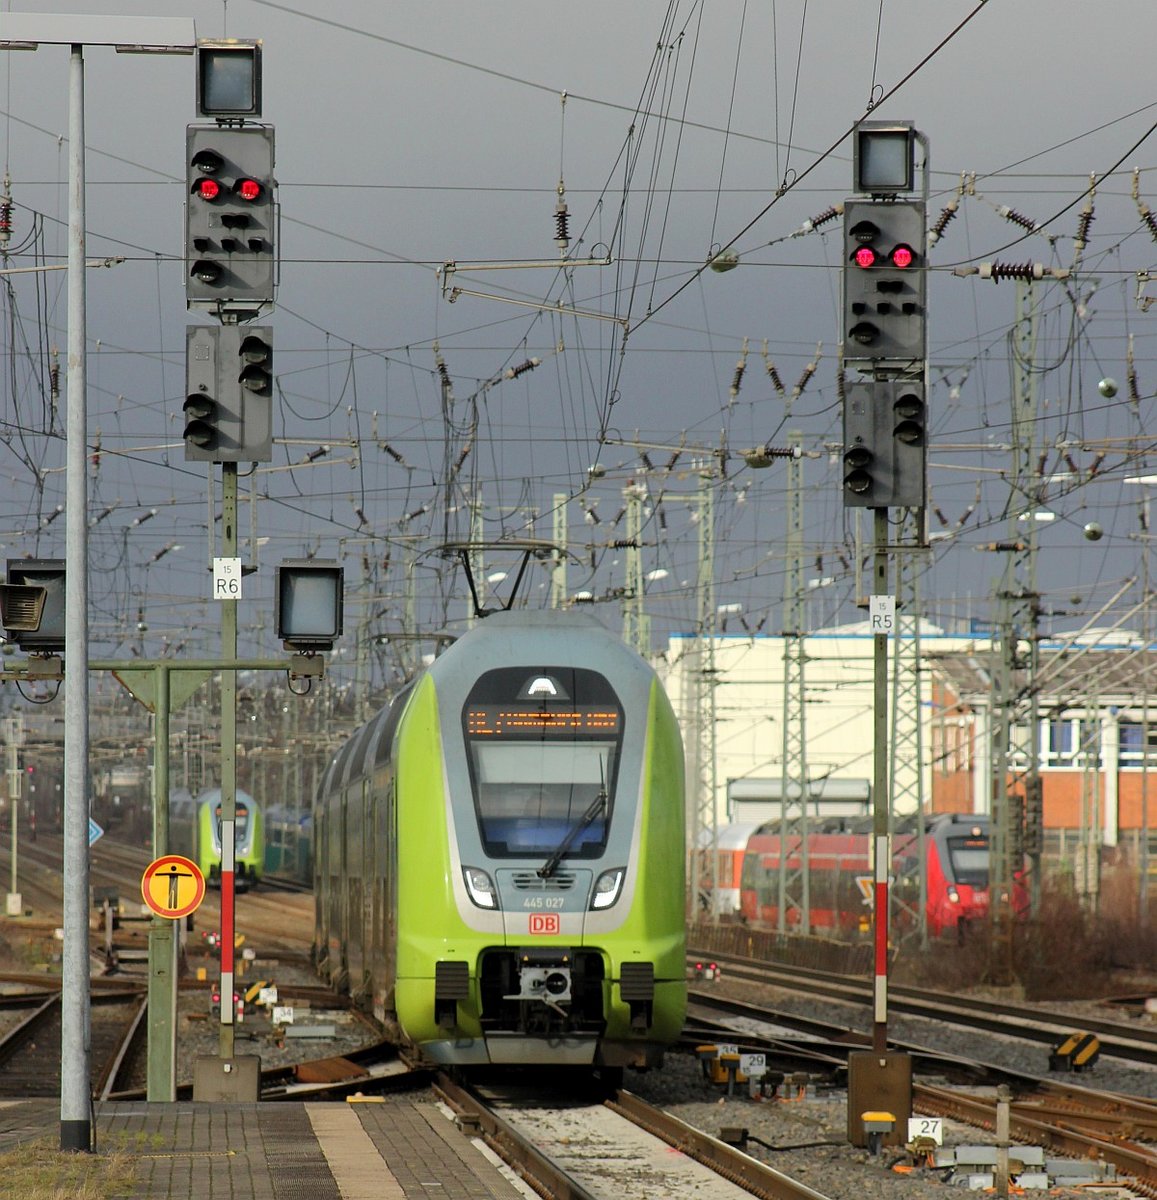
229	219
885	283
885	444
229	393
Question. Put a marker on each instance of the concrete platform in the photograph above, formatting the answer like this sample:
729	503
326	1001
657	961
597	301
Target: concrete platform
397	1150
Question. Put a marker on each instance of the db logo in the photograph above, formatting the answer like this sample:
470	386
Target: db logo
544	923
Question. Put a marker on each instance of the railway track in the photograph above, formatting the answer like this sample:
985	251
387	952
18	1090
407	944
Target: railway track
30	1047
1067	1119
617	1148
1132	1043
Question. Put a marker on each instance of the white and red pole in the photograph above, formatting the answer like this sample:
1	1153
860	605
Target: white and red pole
228	869
883	855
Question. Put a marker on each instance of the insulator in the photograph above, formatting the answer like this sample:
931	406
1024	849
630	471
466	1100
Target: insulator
361	516
645	459
1134	392
54	380
522	368
1149	220
462	456
441	365
5	219
808	372
625	544
940	517
772	373
1096	466
393	453
314	455
820	219
1083	224
673	459
737	378
997	271
561	225
1072	466
1010	214
947	214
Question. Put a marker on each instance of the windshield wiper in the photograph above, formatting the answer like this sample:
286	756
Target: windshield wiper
549	867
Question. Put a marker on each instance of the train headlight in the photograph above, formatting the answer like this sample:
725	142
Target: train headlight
607	887
953	894
481	887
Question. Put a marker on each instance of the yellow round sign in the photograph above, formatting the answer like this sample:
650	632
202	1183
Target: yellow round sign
173	886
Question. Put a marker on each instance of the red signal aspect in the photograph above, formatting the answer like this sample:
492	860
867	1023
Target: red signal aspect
208	189
903	257
864	257
247	189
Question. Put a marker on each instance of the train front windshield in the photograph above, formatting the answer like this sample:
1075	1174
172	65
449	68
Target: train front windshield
544	752
969	858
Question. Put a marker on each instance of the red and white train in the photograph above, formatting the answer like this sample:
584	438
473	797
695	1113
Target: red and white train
840	874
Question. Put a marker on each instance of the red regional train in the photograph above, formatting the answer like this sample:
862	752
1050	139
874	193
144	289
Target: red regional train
840	874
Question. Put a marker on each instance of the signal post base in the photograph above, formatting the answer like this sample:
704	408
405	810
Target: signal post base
227	1080
879	1082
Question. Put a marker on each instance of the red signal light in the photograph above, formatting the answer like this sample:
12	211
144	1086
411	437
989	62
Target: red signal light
208	189
903	257
864	257
247	189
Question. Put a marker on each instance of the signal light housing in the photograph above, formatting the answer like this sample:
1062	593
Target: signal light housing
230	220
884	285
308	603
42	631
228	78
883	157
885	444
229	387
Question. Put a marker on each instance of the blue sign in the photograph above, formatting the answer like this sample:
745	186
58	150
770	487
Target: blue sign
94	831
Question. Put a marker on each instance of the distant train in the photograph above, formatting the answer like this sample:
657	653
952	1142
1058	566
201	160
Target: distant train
289	844
195	831
840	873
499	854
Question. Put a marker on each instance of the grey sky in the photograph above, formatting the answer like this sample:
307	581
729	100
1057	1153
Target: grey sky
416	133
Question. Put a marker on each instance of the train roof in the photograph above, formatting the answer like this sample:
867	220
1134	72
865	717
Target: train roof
511	637
730	837
213	795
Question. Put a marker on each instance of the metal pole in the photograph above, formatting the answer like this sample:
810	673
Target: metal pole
161	1068
14	816
1147	634
75	1082
881	843
228	762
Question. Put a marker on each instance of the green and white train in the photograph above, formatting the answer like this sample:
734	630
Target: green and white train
195	831
499	854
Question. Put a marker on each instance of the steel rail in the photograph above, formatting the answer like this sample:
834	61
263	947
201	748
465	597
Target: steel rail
749	1173
1136	1161
538	1171
1015	1020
